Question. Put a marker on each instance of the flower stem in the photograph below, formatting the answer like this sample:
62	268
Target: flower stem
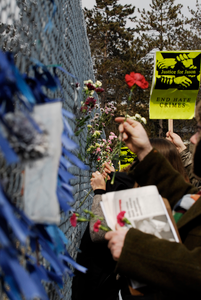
104	228
85	198
129	99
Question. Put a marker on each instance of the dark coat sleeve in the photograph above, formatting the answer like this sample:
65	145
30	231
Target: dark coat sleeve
154	169
164	265
169	267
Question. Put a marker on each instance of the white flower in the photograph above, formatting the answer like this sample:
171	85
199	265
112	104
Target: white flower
137	116
91	93
85	88
88	81
98	83
144	120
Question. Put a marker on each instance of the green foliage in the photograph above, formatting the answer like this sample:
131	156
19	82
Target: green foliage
118	50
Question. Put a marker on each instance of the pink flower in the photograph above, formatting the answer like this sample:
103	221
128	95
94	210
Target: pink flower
98	158
97	226
120	218
111	137
103	124
98	150
73	220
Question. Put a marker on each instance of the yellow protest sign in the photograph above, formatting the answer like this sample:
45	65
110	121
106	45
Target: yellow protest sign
126	157
175	84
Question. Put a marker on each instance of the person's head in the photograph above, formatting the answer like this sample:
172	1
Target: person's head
196	140
169	150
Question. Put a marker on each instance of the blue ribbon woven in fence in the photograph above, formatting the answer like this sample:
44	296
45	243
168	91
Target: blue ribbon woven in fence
49	25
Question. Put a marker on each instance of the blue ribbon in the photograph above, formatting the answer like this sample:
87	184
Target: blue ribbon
9	154
68	259
65	163
63	201
74	159
67	127
68	143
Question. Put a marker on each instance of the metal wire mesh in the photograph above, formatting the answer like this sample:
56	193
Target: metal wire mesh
24	31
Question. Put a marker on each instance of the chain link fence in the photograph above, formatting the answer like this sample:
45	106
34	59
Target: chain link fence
54	33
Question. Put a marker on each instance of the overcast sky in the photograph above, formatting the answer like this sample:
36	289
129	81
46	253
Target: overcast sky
145	4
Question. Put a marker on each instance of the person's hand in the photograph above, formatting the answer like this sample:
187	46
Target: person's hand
107	170
167	80
97	181
183	80
187	60
166	63
134	136
116	241
176	140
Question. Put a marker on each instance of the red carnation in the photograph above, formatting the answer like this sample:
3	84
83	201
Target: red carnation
97	226
90	101
84	109
136	78
73	220
99	90
120	218
91	87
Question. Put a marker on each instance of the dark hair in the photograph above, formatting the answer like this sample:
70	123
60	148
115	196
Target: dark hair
169	150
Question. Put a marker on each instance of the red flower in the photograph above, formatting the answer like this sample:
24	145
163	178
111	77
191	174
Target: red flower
97	225
84	109
120	218
90	101
91	87
99	90
136	78
73	220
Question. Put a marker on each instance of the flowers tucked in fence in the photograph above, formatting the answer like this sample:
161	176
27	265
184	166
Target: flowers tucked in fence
88	105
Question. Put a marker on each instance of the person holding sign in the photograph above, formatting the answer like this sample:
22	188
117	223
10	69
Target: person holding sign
172	270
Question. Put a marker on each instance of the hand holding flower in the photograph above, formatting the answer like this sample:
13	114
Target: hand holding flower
135	137
98	226
97	181
121	220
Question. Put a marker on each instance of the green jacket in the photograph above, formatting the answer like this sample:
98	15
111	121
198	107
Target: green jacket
173	270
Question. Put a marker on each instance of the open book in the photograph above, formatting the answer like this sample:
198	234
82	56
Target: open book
145	209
